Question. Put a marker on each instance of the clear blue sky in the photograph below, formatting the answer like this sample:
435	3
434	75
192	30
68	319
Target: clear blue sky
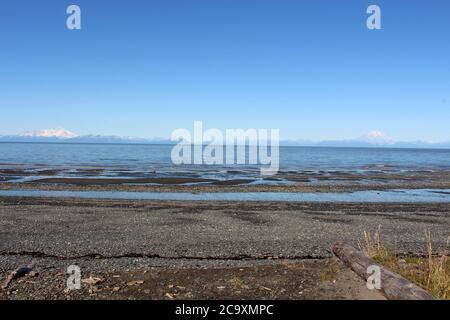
144	68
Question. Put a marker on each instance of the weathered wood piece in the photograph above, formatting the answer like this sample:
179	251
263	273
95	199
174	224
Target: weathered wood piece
393	285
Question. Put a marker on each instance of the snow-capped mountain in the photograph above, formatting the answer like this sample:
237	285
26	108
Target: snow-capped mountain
377	137
60	133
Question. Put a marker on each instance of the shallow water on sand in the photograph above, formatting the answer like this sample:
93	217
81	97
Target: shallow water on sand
390	196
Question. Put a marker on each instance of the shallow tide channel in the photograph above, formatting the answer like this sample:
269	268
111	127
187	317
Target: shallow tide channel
389	196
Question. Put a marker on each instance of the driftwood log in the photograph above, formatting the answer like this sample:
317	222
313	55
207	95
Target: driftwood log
393	285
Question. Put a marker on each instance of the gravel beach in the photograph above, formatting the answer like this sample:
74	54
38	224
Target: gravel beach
105	237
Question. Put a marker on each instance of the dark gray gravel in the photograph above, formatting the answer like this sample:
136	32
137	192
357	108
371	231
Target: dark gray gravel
107	237
220	230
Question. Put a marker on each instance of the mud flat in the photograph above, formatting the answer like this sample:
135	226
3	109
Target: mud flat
97	179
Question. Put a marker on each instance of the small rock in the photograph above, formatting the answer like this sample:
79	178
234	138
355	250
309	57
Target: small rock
92	280
33	274
168	295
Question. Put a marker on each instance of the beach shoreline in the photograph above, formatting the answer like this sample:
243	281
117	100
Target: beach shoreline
184	249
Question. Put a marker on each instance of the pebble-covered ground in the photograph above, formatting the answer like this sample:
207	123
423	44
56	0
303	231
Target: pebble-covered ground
199	246
312	279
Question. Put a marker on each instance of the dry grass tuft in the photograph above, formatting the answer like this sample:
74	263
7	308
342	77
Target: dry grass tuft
372	246
431	273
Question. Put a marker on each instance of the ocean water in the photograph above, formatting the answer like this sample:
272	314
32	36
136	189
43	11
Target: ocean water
131	161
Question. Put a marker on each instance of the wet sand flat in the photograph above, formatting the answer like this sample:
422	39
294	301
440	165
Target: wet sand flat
220	186
61	178
157	181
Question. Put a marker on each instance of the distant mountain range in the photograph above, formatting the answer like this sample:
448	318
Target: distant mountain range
59	135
